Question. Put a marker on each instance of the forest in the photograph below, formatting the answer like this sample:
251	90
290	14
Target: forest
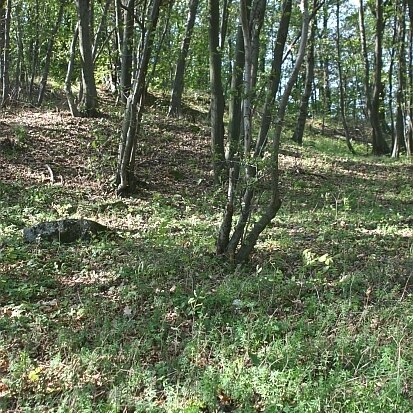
206	206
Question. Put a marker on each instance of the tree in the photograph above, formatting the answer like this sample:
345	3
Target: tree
134	109
90	99
127	46
5	64
380	146
308	83
68	80
217	94
48	56
409	134
373	99
275	73
178	86
341	82
238	241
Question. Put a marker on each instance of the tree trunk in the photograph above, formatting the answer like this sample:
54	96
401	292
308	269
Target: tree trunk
89	99
166	34
48	57
309	77
68	81
238	245
363	43
399	136
340	81
326	72
380	146
19	69
35	52
99	34
274	204
217	96
390	75
178	86
6	55
127	46
133	111
409	134
275	75
2	35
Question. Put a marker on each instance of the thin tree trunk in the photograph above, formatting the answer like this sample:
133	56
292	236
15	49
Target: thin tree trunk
68	81
35	52
274	204
133	113
326	72
390	76
256	22
166	34
99	34
400	94
48	57
363	42
19	70
127	46
2	36
409	134
251	24
309	78
6	54
178	86
217	96
340	81
89	98
275	75
380	146
234	142
224	22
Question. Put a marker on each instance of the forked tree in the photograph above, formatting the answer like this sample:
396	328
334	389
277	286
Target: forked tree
134	109
249	203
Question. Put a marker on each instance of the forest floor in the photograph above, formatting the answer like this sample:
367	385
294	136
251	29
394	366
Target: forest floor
320	320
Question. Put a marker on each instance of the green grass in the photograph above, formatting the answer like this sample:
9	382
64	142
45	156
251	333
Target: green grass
319	321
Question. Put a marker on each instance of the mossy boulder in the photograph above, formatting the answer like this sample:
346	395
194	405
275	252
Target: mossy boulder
63	231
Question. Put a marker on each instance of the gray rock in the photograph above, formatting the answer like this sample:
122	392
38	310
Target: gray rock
64	231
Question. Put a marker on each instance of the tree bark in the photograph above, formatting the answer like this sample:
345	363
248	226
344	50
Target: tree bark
340	81
373	100
178	86
48	57
274	205
326	72
99	34
217	95
19	69
6	55
275	75
133	111
89	100
2	36
409	134
35	52
127	46
309	78
68	81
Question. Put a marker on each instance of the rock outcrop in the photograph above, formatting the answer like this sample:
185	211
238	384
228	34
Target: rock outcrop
63	231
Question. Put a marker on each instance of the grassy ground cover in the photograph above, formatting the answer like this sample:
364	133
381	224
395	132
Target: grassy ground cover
151	320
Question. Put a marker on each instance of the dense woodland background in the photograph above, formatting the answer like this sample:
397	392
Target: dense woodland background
252	161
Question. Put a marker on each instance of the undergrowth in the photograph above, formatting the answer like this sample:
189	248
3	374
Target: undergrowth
320	320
